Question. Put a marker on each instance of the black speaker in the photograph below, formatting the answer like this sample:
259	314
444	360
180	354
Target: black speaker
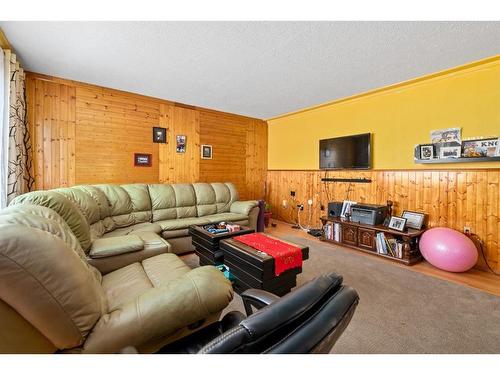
334	208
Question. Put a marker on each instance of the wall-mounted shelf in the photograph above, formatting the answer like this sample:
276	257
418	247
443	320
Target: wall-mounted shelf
356	180
457	160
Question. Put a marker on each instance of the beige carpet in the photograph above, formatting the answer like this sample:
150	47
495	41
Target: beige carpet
402	311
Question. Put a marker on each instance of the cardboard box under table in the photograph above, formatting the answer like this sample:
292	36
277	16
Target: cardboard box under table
255	269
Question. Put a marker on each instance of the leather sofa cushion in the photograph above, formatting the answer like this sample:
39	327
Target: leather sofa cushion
176	233
134	229
49	285
163	269
106	247
125	284
64	207
128	204
171	225
153	245
175	201
85	203
243	207
42	218
162	311
205	199
185	200
105	224
223	196
227	216
182	223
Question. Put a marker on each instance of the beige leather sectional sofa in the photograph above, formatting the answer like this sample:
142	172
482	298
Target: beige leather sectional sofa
94	268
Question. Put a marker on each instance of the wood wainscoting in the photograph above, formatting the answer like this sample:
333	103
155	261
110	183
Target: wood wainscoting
86	134
451	198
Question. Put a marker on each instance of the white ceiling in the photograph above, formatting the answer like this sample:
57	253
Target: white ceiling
259	69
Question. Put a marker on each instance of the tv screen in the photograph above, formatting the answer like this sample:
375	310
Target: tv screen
351	152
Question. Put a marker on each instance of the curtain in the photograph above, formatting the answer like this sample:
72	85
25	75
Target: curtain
4	129
19	177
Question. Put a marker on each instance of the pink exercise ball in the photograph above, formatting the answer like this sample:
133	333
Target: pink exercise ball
448	249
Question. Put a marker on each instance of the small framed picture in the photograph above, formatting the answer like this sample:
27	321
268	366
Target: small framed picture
181	144
450	152
414	220
450	135
397	223
386	222
426	152
159	135
346	208
142	160
206	152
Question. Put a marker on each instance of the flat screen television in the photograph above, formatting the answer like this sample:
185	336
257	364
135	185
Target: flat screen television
351	152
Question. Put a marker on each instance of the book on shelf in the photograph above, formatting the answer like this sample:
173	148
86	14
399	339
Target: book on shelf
388	245
332	231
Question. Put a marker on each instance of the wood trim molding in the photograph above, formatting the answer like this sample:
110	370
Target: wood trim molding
4	43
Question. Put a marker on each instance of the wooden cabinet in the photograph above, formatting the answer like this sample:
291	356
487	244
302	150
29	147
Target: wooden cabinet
366	239
350	235
363	237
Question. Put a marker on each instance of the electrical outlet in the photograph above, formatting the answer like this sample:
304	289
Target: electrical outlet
467	230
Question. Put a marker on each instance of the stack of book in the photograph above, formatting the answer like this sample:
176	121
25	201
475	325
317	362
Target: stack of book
389	245
332	231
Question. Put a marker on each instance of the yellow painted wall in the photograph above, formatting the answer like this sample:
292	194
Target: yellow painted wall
399	117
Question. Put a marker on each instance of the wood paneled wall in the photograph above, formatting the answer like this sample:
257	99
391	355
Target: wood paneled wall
88	134
239	150
51	110
451	198
111	126
176	167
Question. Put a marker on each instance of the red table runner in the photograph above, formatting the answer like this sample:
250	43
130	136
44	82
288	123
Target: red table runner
286	256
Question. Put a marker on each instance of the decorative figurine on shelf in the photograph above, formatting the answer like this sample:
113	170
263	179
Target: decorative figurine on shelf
389	208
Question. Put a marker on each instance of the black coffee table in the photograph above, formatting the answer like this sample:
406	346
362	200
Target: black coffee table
255	269
206	244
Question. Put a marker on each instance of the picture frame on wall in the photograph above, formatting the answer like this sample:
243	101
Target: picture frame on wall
397	223
142	160
180	147
414	220
450	152
159	135
452	136
206	151
480	148
426	152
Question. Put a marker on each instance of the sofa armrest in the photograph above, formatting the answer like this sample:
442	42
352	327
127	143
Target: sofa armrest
111	246
257	298
243	207
160	312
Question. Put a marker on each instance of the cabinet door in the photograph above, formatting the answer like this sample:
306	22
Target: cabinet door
349	235
366	239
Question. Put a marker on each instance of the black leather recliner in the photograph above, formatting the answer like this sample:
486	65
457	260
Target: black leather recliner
310	319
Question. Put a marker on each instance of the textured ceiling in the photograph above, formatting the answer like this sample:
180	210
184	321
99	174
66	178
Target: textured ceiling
259	69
